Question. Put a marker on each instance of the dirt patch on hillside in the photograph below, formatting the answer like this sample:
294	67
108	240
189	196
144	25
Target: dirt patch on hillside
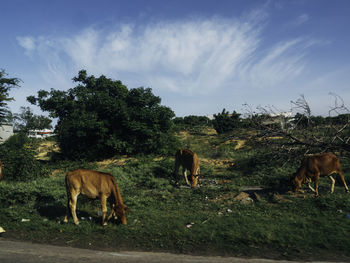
269	138
118	162
222	162
240	144
57	173
45	149
183	134
210	131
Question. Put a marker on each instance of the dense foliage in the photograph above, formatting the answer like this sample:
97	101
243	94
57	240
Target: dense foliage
18	156
101	117
192	123
224	122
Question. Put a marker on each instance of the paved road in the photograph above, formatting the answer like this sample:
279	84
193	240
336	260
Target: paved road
20	252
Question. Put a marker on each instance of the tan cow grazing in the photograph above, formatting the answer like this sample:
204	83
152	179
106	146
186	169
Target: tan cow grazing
94	184
313	167
189	161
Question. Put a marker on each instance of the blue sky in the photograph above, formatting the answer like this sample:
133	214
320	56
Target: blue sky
199	56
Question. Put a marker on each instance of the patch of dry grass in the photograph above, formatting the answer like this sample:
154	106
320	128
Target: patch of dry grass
116	162
45	149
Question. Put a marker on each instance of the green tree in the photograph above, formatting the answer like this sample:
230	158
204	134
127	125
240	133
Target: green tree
6	84
224	122
26	120
100	117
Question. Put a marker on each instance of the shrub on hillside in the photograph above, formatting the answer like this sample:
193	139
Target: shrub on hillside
18	157
224	122
192	123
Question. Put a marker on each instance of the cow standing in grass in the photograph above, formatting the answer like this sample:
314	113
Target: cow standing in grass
189	161
313	167
94	184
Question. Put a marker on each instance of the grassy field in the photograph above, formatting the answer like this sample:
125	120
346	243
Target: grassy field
164	215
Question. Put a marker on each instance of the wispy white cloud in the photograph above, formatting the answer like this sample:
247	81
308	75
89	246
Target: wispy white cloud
81	49
192	56
303	18
281	63
28	43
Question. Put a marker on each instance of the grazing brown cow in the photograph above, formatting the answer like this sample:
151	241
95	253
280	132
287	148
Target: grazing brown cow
189	161
94	184
314	166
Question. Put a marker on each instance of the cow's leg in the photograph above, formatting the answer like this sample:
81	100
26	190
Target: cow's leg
311	188
73	206
184	171
197	173
333	182
68	210
343	180
112	213
104	209
316	184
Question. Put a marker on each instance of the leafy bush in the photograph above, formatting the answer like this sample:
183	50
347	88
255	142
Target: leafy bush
192	123
224	122
100	118
18	157
17	193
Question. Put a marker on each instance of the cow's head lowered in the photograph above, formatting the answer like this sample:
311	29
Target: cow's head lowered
194	180
296	182
119	213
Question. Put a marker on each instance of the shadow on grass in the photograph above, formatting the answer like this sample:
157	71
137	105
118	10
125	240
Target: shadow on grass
50	210
55	210
49	207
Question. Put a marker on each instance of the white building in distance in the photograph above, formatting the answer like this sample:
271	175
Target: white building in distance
40	134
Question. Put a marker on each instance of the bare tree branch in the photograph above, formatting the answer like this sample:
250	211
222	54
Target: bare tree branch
339	106
333	136
301	104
